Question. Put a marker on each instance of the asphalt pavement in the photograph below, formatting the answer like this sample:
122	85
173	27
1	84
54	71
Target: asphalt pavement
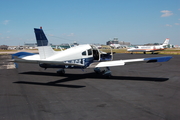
137	92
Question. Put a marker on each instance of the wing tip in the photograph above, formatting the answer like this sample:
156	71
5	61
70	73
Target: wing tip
158	59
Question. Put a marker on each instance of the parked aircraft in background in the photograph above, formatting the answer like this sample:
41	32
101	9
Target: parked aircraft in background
115	46
151	48
78	57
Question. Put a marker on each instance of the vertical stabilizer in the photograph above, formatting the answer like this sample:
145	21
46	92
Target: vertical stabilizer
45	50
166	42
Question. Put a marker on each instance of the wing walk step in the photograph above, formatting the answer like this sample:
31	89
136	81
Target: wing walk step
93	65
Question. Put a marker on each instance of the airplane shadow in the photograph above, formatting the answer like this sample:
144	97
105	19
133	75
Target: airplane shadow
50	84
73	77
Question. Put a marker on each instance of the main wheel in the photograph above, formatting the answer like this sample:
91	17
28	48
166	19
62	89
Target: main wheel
61	72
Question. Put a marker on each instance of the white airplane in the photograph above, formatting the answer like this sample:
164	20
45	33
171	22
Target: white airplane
78	57
115	46
151	48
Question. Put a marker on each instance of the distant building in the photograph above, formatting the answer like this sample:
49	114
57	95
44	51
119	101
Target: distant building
12	47
115	41
3	47
15	47
124	43
30	45
108	42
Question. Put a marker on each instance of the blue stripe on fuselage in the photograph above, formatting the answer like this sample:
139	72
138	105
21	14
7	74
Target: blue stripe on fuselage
85	61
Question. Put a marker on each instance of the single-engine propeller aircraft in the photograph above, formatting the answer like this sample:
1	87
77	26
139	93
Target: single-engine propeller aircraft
150	48
78	57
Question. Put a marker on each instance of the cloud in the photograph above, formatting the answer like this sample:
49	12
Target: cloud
5	22
71	34
176	23
166	13
168	25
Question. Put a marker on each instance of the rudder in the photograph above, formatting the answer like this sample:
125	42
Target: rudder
45	50
166	42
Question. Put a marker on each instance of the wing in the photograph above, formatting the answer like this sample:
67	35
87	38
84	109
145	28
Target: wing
129	61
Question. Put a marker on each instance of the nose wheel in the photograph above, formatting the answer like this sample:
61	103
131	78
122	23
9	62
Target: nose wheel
107	72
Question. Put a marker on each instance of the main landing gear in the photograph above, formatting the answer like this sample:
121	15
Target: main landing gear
106	72
61	72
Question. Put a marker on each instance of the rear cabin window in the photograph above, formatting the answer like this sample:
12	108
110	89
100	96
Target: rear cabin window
89	52
84	53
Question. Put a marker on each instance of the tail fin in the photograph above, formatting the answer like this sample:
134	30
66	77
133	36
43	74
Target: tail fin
45	50
166	42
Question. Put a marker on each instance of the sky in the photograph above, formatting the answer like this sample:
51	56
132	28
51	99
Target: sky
90	21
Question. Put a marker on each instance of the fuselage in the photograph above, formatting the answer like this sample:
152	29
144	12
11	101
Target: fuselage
83	55
146	48
151	48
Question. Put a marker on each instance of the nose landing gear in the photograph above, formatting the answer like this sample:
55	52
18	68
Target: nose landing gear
106	72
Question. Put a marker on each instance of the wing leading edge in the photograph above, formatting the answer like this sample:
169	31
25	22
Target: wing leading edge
130	61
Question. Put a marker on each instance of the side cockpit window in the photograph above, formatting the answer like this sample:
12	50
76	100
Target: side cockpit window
84	53
89	52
